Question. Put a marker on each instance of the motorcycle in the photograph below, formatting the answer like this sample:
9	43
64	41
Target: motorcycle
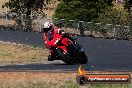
68	50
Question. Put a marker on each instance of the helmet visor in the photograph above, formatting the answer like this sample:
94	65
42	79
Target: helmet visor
46	29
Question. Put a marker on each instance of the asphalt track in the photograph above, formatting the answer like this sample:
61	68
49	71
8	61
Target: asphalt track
104	54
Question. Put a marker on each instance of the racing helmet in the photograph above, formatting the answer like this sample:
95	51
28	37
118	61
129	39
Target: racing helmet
47	26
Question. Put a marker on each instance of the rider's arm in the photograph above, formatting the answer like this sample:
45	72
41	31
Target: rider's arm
45	38
67	35
47	42
62	32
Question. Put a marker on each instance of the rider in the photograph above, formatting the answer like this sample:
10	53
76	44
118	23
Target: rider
49	31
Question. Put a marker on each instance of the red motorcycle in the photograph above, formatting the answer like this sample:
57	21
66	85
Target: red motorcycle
67	50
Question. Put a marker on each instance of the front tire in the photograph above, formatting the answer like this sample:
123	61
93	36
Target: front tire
64	57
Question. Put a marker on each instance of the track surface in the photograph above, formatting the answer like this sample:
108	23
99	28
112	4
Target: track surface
110	55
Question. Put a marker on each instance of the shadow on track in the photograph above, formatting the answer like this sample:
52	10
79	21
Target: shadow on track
41	67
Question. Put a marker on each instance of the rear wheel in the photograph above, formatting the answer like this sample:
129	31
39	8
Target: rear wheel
77	55
83	59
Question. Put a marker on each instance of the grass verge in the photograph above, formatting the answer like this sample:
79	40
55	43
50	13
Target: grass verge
10	53
47	80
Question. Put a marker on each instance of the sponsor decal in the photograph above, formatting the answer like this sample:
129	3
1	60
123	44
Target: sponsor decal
83	78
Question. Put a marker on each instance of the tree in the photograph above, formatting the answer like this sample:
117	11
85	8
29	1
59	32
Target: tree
25	7
85	10
128	5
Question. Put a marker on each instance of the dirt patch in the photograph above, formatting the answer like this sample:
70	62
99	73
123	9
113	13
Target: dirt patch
6	22
2	2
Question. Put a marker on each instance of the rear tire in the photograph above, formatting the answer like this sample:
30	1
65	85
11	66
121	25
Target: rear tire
79	57
83	58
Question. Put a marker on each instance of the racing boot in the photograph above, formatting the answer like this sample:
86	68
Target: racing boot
51	56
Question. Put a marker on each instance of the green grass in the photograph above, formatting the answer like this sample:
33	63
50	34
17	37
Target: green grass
71	84
68	84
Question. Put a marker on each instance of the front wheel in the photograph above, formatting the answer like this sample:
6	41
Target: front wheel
64	57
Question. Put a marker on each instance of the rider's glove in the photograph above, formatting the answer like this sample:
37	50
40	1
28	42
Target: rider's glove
61	32
66	35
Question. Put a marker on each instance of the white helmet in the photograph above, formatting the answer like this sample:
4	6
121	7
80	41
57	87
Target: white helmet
47	26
